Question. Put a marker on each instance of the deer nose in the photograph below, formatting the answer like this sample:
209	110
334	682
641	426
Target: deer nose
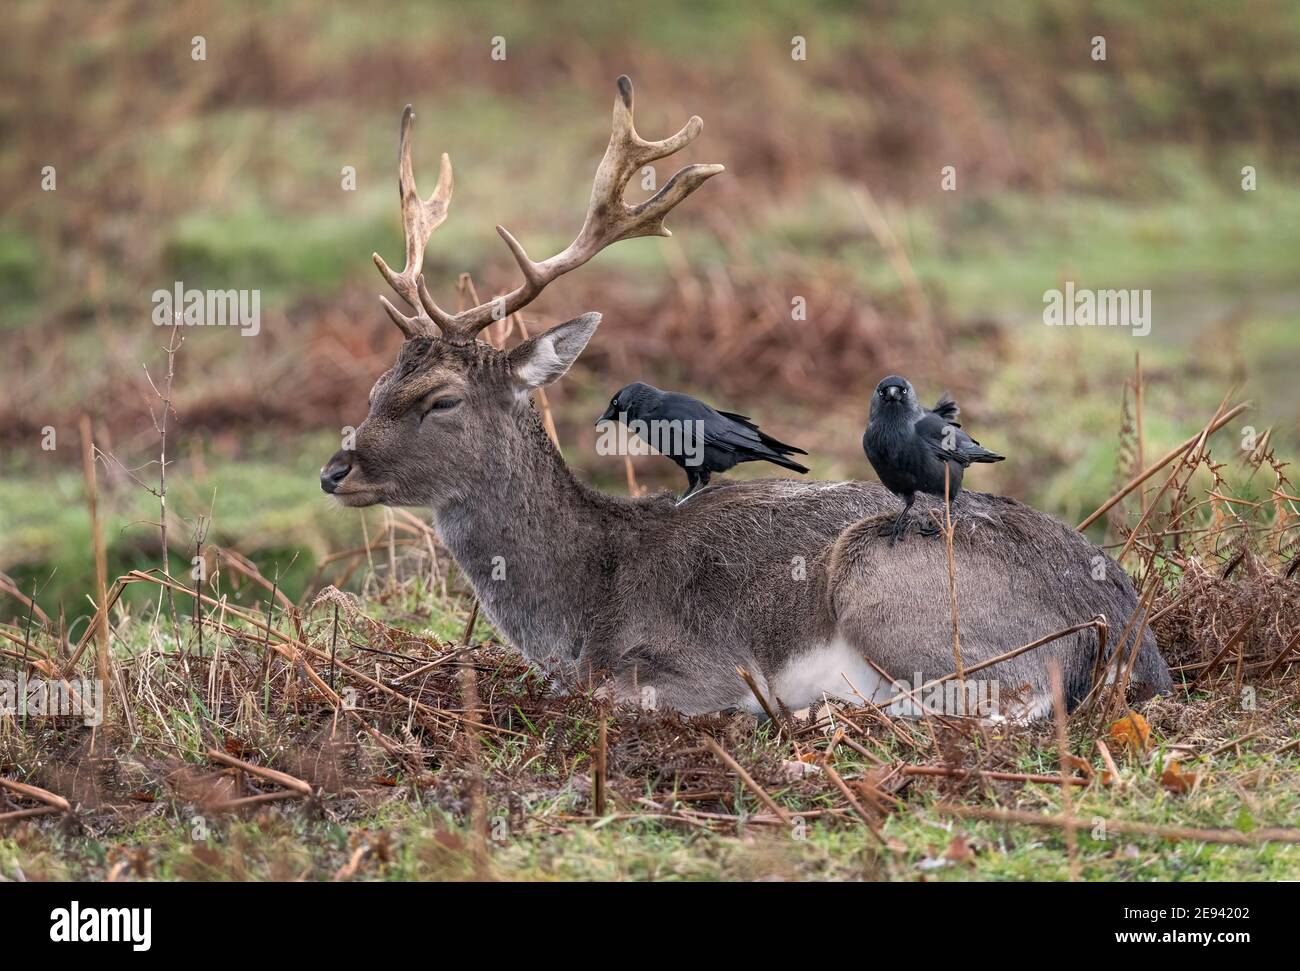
335	471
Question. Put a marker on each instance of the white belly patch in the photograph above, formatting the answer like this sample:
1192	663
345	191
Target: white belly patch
823	671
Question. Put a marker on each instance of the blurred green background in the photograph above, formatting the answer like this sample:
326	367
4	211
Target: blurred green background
227	172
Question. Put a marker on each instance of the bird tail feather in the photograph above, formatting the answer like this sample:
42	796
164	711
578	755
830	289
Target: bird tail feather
786	463
781	448
984	455
947	408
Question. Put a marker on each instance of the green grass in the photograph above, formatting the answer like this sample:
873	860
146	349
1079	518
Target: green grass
418	828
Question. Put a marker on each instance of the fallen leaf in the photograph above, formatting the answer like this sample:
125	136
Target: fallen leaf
1074	762
960	850
1176	780
1132	733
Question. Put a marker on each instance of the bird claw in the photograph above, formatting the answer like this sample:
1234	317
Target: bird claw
895	530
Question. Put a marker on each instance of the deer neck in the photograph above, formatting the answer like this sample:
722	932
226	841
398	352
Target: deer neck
526	534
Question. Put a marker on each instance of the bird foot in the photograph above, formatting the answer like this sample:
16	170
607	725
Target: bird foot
928	527
895	530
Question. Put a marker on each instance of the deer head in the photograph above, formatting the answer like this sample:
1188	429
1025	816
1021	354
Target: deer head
449	408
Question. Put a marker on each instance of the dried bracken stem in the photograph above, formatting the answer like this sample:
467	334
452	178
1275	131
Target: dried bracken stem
721	754
1098	622
1282	656
101	556
37	793
598	781
1063	752
174	342
857	806
1138	393
21	814
1218	422
1233	641
752	684
951	772
1108	760
270	775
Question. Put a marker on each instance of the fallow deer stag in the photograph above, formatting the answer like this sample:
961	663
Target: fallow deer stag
787	579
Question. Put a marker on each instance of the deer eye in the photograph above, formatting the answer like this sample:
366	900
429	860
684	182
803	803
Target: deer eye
441	404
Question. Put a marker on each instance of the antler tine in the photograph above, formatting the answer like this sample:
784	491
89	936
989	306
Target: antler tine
420	217
609	219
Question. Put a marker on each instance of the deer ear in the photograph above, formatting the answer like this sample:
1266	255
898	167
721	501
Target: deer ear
545	358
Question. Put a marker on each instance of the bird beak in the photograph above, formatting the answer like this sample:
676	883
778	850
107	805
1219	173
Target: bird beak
607	416
892	392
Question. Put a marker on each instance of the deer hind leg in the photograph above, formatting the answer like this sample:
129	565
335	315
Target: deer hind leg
894	607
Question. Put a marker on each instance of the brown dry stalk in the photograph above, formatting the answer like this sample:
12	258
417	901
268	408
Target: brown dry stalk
270	775
857	806
1232	642
1098	622
720	753
752	684
1190	462
468	678
230	805
1137	414
598	776
1290	646
289	648
955	773
15	816
1160	463
1108	760
100	626
1063	752
37	793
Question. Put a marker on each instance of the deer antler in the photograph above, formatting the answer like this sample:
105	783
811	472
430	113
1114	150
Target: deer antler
419	219
609	219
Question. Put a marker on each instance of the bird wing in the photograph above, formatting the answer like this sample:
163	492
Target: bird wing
719	431
947	441
764	437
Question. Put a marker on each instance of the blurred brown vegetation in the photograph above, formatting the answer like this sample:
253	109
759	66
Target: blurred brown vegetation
225	173
1006	95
